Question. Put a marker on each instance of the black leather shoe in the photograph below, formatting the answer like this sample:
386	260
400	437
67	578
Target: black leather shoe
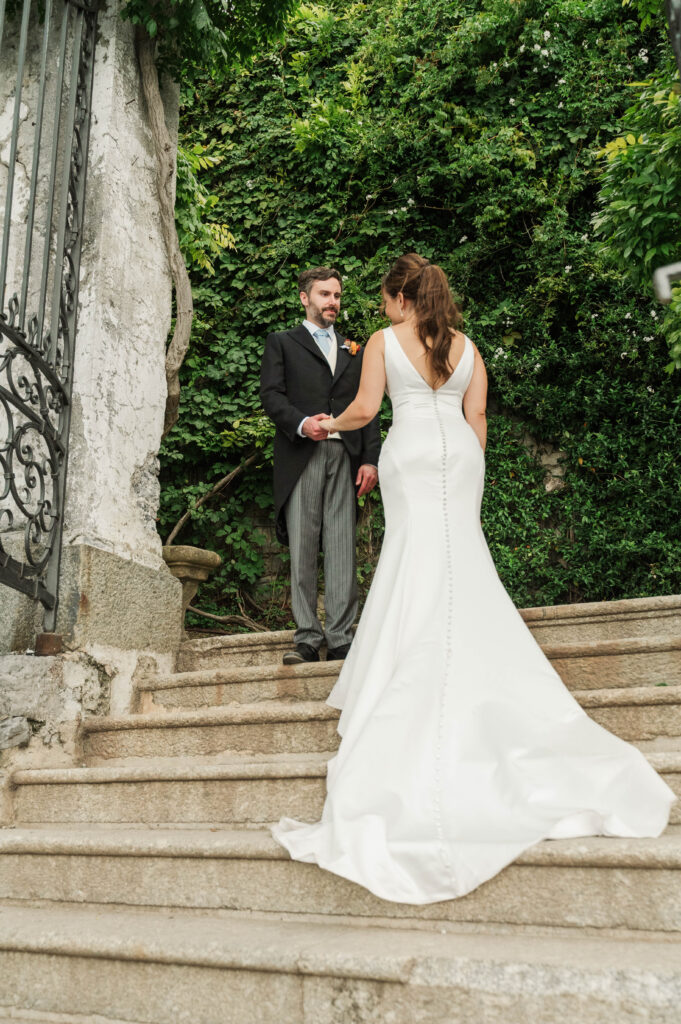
299	654
338	653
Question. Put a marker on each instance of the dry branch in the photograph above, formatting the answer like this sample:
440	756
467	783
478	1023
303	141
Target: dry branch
224	482
231	620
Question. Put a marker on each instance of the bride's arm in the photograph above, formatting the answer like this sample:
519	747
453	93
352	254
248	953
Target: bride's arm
370	392
475	400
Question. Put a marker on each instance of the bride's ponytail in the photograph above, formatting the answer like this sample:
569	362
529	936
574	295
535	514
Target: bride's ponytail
436	313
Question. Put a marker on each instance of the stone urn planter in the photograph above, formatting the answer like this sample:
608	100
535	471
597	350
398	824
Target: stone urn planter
191	566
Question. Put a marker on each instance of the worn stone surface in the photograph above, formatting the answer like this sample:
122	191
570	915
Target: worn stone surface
209	737
624	663
119	386
118	603
632	884
236	793
300	941
51	694
220	801
279	727
156	968
588	667
14	732
582	624
606	620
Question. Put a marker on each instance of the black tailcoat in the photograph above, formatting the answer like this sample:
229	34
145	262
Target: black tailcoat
295	382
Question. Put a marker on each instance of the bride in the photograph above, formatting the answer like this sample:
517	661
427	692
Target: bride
461	747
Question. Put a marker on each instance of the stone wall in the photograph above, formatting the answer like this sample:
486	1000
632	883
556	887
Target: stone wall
118	601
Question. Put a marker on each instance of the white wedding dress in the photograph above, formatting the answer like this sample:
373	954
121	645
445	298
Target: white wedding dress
461	747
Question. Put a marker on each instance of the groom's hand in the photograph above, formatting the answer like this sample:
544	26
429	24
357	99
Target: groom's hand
367	478
312	429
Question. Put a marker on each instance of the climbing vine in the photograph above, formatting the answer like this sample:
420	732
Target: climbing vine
473	133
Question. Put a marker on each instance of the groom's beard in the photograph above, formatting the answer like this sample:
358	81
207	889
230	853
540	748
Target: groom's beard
325	317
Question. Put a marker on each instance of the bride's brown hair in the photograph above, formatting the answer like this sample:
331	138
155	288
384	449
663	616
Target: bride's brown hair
426	285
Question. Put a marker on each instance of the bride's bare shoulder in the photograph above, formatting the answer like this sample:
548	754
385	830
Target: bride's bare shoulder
377	341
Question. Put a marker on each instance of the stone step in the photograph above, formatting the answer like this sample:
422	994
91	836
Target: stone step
265	728
632	884
218	686
97	966
607	664
653	618
647	713
239	793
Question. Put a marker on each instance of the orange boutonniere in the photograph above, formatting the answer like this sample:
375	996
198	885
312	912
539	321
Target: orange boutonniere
352	347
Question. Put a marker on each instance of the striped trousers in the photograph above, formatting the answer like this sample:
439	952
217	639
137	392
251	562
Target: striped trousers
322	509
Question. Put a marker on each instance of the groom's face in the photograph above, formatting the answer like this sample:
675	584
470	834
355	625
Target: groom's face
322	302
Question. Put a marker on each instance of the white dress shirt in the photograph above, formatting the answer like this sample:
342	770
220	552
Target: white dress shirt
331	359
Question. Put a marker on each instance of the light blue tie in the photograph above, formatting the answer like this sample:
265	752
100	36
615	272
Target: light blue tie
323	339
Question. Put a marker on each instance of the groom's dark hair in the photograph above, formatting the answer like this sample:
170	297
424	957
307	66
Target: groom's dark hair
306	278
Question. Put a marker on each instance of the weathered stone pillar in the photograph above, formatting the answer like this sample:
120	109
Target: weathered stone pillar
118	602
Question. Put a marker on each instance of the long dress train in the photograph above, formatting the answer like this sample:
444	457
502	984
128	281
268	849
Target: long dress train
461	747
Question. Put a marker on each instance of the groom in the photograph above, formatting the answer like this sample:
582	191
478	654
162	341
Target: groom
310	372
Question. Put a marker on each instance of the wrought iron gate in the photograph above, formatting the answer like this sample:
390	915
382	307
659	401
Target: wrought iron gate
48	51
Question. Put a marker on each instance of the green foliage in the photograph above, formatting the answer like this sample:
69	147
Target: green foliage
638	217
210	34
649	11
201	238
468	131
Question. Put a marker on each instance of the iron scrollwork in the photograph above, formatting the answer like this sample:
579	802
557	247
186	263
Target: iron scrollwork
36	361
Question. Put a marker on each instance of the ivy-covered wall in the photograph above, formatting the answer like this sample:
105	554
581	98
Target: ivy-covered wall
470	132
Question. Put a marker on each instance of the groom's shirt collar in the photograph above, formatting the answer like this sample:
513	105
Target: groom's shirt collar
315	327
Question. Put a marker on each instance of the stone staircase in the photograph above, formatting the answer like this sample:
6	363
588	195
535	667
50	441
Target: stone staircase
143	885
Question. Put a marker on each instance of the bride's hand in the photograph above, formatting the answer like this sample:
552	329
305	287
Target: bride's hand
327	424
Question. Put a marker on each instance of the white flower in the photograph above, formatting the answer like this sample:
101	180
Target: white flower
652	390
547	34
642	53
370	196
594	316
410	202
345	314
464	238
645	59
627	316
560	104
537	366
512	101
653	314
561	81
568	268
544	53
498	352
403	209
536	47
522	49
649	337
250	183
623	355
